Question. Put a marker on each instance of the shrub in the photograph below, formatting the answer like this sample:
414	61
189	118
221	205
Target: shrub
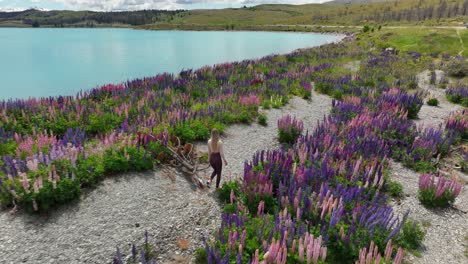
66	190
457	68
395	189
244	117
440	194
433	102
262	120
323	88
411	235
90	170
289	129
458	124
458	95
266	104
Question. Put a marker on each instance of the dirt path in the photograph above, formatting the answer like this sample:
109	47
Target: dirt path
242	141
446	229
434	115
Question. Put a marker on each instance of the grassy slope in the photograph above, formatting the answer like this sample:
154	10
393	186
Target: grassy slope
324	14
424	40
309	14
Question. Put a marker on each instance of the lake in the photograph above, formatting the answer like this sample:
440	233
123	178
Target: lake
48	61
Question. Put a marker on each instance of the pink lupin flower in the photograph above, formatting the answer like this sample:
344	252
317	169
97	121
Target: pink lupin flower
24	181
301	250
388	250
323	254
36	187
399	256
256	257
40	182
260	208
232	196
293	248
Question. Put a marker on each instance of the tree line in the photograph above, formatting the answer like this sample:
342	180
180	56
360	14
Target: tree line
62	18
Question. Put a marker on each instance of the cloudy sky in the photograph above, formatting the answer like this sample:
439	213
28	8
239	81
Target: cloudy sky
106	5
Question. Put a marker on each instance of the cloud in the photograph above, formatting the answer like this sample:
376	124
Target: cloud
107	5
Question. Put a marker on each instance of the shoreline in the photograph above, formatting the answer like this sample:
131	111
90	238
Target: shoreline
339	38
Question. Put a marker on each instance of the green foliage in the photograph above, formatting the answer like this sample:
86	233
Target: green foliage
270	203
458	99
126	159
245	117
8	148
427	198
201	257
288	136
413	110
411	235
100	123
195	130
395	189
323	88
266	104
224	193
48	197
90	170
422	166
230	208
433	102
262	120
338	94
366	28
115	161
228	118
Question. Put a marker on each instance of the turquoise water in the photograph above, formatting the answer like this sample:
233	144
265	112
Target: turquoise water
47	62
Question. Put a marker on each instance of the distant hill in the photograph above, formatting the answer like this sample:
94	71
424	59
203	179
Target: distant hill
357	1
338	12
34	17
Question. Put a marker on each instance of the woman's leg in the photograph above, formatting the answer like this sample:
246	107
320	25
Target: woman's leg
218	174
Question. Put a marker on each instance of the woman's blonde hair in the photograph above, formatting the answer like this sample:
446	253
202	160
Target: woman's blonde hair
214	139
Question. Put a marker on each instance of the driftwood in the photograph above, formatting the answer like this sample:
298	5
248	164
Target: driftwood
184	158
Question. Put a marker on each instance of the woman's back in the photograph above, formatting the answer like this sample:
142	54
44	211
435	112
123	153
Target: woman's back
217	148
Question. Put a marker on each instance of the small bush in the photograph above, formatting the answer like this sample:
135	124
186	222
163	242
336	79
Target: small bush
48	197
440	194
244	117
433	102
457	68
411	235
395	189
289	129
262	120
266	104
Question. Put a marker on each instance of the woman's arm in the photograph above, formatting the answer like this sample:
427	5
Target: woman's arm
209	149
221	151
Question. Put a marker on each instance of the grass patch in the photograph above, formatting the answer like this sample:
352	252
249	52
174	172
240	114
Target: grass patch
424	40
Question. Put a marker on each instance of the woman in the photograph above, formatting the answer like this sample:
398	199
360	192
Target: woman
216	154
